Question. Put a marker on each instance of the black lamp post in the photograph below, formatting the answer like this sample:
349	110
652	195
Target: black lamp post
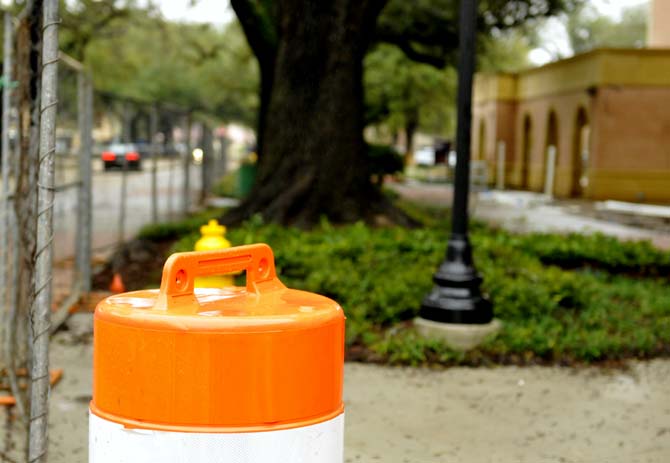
456	296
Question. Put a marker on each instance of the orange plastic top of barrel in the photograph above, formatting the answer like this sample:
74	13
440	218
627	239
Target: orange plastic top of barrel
218	360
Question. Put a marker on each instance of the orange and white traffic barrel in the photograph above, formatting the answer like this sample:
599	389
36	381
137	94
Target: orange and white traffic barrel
234	375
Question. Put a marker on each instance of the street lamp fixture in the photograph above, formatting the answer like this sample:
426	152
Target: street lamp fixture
456	297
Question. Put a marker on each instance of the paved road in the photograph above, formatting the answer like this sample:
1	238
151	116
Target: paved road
107	201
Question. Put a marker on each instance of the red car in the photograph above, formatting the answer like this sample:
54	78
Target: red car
119	153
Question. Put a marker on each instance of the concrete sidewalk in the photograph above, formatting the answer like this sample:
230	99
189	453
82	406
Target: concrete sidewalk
464	415
508	414
523	212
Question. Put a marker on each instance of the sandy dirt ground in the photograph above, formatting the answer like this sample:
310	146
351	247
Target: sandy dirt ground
464	415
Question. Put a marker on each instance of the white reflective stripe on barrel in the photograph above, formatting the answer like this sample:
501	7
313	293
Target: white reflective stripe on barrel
110	442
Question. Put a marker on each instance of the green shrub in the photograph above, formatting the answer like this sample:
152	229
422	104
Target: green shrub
227	186
598	251
384	160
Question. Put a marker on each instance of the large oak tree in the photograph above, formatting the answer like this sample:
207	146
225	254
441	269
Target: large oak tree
312	156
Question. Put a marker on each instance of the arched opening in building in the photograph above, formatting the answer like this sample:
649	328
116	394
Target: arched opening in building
481	152
550	154
580	153
526	150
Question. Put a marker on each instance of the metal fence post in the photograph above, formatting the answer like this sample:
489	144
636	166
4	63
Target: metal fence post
122	207
223	158
124	176
208	163
4	198
12	322
170	196
84	219
186	191
153	128
41	311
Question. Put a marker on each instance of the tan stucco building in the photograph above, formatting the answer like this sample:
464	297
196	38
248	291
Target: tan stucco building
658	33
605	114
602	119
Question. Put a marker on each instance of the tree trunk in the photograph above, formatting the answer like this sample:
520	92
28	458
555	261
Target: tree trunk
28	75
28	64
410	129
267	80
313	160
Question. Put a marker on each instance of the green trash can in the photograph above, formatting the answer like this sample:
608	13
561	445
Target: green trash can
246	176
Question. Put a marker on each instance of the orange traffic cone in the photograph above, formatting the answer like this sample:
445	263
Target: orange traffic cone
117	285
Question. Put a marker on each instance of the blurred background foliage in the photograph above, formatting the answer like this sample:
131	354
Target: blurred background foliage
134	52
406	95
588	30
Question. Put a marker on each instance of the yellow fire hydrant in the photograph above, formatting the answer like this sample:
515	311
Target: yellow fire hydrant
213	238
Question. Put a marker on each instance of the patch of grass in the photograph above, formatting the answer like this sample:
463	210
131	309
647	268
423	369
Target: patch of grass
581	313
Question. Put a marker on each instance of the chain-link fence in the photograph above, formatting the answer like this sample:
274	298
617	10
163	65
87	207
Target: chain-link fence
140	176
72	211
68	199
118	164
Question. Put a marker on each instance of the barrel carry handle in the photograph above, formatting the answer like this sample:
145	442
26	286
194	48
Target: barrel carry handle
182	268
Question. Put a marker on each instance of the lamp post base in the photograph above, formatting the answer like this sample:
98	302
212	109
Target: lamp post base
456	296
458	336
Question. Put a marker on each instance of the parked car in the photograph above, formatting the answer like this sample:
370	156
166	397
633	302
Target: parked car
116	154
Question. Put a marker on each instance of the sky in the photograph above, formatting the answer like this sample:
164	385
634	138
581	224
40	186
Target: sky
614	8
210	11
555	37
213	10
218	11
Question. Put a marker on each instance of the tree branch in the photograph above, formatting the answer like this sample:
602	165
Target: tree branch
259	27
372	10
405	44
427	30
504	14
